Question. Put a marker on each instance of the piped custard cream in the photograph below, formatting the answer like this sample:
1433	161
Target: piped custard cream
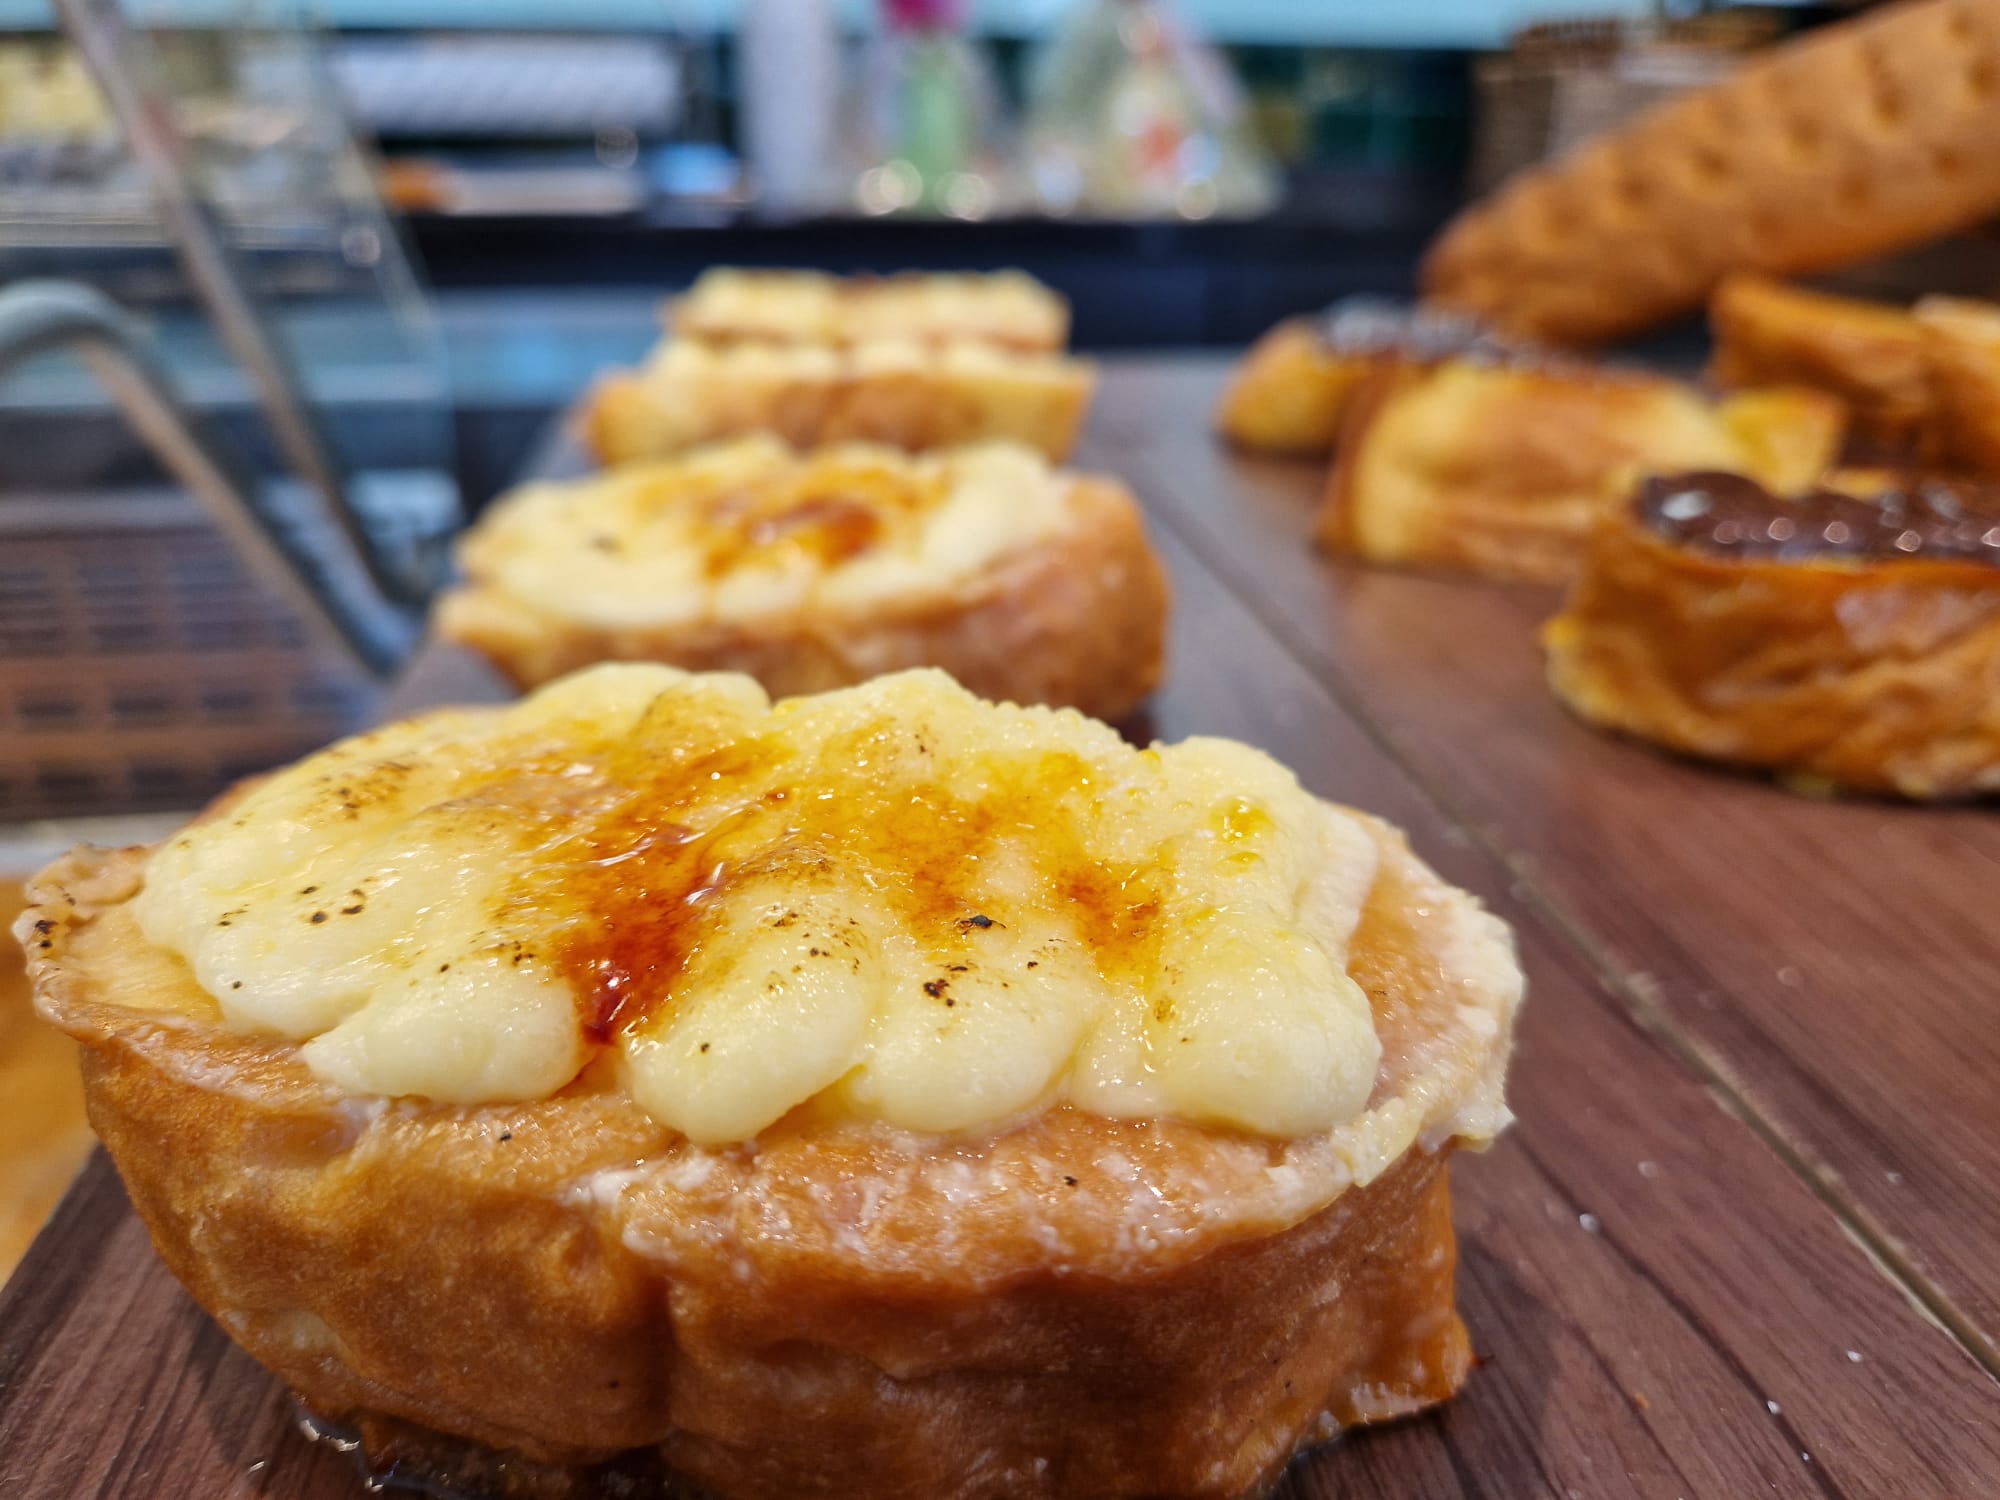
747	529
795	307
894	902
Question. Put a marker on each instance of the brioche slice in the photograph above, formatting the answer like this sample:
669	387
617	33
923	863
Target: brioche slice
1006	308
1839	641
814	572
1857	140
1290	392
900	392
646	1088
1503	469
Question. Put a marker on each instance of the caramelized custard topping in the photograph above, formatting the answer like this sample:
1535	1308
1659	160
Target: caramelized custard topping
806	307
896	901
749	528
1737	517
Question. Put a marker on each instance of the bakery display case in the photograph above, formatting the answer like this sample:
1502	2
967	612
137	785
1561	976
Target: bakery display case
228	464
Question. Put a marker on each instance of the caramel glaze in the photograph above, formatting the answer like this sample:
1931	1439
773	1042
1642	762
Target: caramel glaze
829	514
642	873
1929	518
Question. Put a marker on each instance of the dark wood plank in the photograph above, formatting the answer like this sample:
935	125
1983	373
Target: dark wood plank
1645	1276
1832	966
1665	1310
113	1383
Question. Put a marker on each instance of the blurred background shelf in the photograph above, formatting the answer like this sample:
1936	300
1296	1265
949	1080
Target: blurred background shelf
1361	23
1183	172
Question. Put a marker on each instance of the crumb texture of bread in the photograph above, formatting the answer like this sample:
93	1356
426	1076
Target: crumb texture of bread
1504	469
1875	677
812	572
1856	140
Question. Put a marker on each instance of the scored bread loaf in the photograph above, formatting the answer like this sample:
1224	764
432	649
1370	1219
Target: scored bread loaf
1858	140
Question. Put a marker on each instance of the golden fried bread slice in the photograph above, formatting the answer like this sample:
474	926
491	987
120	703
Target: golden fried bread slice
1503	468
863	1095
816	571
1290	393
1852	141
1874	357
1963	338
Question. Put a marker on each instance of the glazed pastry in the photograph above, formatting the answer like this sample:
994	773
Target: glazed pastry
1923	385
1854	141
1007	308
815	572
1964	341
1876	358
1291	391
882	1094
1503	468
902	392
1843	642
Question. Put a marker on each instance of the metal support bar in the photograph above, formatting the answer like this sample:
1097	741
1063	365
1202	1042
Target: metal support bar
100	33
42	315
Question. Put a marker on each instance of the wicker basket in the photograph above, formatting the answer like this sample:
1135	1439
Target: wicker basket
1562	82
141	666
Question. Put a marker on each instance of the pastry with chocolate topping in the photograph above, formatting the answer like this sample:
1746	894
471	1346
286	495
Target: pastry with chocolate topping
1842	640
1923	516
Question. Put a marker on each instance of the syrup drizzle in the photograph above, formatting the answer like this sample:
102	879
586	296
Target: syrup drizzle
638	882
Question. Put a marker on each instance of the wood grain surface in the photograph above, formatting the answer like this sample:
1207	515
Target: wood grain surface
1833	967
1672	1295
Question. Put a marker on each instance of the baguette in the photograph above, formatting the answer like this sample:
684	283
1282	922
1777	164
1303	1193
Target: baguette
1858	140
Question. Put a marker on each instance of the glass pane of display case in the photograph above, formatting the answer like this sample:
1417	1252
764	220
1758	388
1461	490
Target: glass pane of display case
239	231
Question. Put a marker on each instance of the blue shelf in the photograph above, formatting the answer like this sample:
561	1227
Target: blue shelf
1354	23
